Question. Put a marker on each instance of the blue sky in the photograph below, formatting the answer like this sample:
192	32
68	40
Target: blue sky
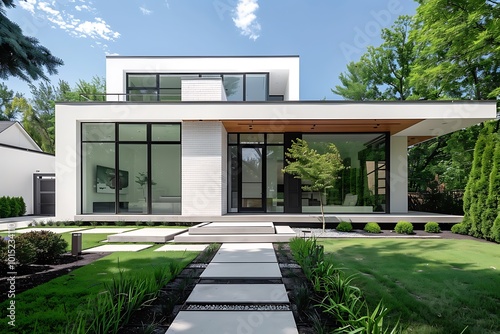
326	34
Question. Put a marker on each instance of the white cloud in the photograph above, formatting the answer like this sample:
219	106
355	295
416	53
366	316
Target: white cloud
28	5
145	11
97	29
83	7
78	21
245	18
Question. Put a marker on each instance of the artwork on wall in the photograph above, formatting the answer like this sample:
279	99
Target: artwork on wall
106	180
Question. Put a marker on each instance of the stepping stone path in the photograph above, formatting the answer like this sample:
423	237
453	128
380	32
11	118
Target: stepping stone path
240	291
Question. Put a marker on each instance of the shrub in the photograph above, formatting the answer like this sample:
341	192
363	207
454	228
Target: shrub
459	229
25	253
78	223
93	223
404	227
48	245
344	227
150	223
120	223
104	223
138	223
50	223
372	227
432	227
67	223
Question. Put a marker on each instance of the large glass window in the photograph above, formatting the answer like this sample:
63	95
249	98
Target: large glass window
275	180
233	85
133	165
256	87
361	185
147	178
98	178
165	181
168	86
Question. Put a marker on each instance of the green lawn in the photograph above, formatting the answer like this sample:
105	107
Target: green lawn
436	286
48	307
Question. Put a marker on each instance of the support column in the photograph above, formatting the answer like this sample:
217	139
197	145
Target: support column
399	175
203	182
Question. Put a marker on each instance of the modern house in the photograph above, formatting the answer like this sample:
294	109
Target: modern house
26	171
200	138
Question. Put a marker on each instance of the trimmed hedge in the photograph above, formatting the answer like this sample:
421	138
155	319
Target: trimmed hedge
460	228
404	227
372	227
432	227
344	227
12	207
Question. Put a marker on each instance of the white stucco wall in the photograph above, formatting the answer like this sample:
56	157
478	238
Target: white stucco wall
16	172
399	175
203	182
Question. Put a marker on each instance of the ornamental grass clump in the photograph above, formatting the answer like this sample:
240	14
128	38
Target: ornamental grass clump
336	296
404	227
111	309
372	227
432	227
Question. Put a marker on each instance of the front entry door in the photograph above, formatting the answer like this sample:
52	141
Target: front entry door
252	179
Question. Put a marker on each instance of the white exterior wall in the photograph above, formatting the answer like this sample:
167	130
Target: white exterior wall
202	89
203	179
284	71
16	172
399	175
16	136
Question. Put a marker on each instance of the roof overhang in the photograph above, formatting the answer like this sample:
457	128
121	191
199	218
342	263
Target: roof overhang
417	120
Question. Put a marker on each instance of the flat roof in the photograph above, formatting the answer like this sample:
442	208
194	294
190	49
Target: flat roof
260	56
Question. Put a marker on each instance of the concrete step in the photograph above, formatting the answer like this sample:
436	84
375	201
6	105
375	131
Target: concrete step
233	228
279	237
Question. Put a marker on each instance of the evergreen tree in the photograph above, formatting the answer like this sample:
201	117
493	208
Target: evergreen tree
491	211
22	56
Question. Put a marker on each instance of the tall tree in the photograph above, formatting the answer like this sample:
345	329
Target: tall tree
383	72
459	45
22	56
7	112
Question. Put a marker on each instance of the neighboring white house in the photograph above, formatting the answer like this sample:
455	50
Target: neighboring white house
201	137
22	159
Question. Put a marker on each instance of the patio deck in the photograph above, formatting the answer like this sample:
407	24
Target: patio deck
293	220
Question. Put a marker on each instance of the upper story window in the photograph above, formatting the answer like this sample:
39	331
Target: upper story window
167	86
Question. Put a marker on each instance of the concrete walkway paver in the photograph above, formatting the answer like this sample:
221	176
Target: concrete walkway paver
242	253
241	270
147	234
196	248
116	248
266	320
215	322
231	293
106	230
